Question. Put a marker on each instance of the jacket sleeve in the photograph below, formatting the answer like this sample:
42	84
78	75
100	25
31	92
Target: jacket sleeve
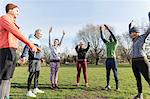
87	47
102	37
76	48
25	51
145	35
10	26
113	36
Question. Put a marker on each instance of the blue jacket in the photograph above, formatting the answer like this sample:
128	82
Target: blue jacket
27	51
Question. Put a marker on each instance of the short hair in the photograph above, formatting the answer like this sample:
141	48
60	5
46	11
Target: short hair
10	6
37	31
56	39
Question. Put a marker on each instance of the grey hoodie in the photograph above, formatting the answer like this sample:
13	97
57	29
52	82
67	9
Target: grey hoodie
137	49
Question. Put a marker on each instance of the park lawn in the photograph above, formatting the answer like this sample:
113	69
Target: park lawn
68	90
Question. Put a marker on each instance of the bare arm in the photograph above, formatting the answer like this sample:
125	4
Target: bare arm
111	33
62	38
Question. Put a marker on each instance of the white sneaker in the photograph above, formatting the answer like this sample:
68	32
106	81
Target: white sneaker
86	85
107	88
30	94
36	90
77	84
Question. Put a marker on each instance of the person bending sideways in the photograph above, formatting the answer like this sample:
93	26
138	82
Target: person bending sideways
140	63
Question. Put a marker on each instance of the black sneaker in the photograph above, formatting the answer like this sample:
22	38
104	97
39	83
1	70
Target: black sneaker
117	89
56	86
52	86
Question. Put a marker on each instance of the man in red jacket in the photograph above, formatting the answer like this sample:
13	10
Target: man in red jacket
9	34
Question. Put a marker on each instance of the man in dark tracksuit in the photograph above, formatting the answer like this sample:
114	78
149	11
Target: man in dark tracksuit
82	62
140	64
34	60
111	63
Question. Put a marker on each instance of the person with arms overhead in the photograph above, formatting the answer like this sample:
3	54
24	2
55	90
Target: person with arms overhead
140	63
111	62
82	62
54	59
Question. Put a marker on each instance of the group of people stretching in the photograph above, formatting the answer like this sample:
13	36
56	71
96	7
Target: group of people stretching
9	33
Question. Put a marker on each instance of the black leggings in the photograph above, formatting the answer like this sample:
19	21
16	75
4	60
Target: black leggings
36	77
141	66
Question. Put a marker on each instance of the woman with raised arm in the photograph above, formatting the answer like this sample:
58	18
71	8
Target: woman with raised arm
82	62
111	62
54	59
9	36
140	63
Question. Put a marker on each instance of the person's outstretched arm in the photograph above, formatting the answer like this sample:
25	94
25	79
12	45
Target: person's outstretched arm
62	38
145	35
130	24
101	34
10	26
76	48
115	40
50	43
88	46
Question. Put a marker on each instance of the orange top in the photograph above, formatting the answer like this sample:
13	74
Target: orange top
9	33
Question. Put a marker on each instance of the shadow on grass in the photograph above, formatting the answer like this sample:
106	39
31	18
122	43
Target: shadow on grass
61	87
19	85
94	66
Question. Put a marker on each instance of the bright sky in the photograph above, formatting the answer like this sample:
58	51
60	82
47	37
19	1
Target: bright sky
72	15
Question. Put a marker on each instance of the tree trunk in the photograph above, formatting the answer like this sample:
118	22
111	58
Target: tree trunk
97	59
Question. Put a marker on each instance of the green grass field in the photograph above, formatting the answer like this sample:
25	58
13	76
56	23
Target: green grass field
68	90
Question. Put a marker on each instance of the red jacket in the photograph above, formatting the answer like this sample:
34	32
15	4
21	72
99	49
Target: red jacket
9	33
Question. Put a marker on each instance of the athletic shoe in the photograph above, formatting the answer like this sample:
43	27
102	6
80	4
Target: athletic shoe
138	96
30	94
117	89
7	97
86	85
52	86
56	86
36	90
107	88
77	84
